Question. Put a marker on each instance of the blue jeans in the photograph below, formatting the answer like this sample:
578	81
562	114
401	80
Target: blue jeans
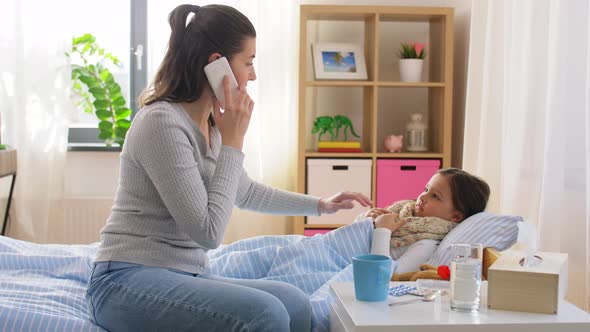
132	297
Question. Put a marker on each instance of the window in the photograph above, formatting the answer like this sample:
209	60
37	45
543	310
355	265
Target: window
135	32
120	28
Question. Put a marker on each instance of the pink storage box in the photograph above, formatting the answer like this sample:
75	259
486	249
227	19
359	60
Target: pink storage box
312	232
399	179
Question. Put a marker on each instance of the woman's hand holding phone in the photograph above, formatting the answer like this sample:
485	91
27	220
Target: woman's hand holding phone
233	122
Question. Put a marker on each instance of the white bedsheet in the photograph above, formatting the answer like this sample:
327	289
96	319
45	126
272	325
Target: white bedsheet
42	286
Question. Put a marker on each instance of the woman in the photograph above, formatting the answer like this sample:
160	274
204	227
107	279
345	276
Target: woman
181	175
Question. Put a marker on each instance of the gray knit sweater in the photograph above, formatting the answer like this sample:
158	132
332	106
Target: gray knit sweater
176	194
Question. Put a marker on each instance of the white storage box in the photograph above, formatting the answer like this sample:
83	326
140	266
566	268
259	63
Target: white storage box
326	177
539	288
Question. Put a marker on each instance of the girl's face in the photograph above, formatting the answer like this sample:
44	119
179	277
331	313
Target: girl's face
242	63
437	200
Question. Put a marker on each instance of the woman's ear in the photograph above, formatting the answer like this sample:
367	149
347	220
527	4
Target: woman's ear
214	56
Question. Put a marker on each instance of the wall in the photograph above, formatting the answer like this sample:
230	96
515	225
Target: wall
92	176
90	189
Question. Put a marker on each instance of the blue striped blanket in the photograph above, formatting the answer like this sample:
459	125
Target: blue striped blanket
42	286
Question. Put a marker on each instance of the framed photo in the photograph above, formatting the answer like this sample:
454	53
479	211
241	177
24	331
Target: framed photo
338	62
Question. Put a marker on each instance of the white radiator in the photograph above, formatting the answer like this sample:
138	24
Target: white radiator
82	220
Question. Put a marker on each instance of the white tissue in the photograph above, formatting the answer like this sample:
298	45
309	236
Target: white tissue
380	242
527	235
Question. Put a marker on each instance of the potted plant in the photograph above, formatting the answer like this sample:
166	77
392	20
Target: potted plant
331	125
96	89
411	61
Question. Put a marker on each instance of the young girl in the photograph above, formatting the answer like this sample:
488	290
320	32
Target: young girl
451	196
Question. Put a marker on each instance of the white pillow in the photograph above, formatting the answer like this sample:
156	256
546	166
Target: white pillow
491	230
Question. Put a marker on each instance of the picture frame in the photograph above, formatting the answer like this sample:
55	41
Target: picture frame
338	61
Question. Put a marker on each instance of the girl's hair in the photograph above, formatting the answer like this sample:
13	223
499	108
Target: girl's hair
213	28
470	193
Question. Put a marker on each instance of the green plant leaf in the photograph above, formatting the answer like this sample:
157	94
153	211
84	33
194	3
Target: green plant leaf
101	104
105	125
121	132
106	76
88	80
103	115
105	134
123	123
122	113
119	101
114	88
86	38
97	90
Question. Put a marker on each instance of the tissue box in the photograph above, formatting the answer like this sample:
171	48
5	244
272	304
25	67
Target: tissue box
539	288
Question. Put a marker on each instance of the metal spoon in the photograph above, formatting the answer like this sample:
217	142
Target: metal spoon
427	298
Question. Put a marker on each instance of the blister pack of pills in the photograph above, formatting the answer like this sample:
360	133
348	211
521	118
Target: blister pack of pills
401	290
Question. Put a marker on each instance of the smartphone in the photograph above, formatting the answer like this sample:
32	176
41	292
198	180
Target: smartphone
215	72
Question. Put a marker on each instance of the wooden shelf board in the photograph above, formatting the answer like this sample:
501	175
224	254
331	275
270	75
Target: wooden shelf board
410	155
339	154
398	13
333	83
412	84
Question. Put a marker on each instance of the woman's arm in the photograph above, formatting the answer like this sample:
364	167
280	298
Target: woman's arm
261	198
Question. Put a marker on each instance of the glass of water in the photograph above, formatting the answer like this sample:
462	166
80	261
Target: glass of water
466	276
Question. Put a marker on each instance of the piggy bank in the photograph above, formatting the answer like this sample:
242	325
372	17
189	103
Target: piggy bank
393	143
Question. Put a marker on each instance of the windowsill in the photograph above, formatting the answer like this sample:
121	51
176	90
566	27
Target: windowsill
100	147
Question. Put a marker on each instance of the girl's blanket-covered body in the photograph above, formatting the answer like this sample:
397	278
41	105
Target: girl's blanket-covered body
309	263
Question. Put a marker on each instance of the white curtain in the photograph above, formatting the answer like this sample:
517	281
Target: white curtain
34	106
527	121
271	141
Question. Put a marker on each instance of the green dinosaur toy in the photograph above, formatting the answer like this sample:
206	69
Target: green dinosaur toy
323	124
327	124
343	121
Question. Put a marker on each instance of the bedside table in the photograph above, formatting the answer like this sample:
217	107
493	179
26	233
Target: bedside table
8	168
348	314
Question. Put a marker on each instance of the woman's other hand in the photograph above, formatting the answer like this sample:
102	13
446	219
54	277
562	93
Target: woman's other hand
233	122
375	212
342	200
390	221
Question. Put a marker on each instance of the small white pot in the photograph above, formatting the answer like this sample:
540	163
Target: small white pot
410	70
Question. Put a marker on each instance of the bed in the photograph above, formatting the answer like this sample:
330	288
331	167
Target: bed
42	286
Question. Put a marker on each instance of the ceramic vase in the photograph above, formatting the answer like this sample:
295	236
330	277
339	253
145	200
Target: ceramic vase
410	70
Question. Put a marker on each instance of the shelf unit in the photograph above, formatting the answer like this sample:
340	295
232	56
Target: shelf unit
380	105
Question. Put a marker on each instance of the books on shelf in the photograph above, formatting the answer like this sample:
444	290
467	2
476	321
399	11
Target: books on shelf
339	146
